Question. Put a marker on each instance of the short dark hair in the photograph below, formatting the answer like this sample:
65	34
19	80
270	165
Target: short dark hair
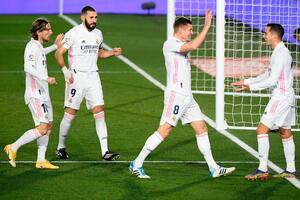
296	32
277	28
38	25
85	9
181	21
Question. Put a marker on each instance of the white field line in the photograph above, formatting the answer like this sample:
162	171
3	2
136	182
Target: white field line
230	136
127	161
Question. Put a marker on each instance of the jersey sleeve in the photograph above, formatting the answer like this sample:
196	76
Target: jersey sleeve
49	49
30	62
174	46
257	79
101	40
68	39
272	79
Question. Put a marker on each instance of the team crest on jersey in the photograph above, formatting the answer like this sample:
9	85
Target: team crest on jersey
31	57
174	118
67	40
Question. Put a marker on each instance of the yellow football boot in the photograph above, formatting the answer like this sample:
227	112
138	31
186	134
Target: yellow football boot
45	165
11	155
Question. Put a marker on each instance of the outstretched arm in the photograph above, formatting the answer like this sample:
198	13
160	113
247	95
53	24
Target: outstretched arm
198	40
105	54
57	44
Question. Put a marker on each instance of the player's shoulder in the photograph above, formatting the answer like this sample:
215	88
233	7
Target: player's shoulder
171	42
282	51
32	45
97	32
74	30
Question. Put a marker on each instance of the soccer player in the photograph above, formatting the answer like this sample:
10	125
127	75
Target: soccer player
37	93
280	111
84	44
179	102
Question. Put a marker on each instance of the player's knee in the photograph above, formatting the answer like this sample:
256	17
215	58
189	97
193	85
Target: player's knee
70	111
69	117
50	125
98	109
164	130
285	133
199	127
43	128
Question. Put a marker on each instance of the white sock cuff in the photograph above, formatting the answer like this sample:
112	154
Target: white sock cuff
158	136
201	134
99	115
261	136
37	133
286	140
69	116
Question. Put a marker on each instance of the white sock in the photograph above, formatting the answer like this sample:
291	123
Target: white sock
101	130
27	137
289	153
151	143
263	151
42	143
64	127
204	147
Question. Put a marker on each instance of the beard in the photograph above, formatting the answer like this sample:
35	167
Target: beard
90	27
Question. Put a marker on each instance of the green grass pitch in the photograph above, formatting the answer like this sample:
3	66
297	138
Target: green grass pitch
133	109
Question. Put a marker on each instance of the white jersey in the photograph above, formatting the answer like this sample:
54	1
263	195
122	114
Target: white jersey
178	67
83	47
35	67
279	77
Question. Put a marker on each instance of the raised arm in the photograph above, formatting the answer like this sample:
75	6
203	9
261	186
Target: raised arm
198	40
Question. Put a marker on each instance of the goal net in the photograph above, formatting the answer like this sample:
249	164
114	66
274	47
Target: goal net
246	53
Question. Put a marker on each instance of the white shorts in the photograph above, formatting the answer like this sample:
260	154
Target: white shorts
280	112
178	106
86	85
41	111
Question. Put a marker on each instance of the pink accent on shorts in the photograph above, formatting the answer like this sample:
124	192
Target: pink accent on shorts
175	75
69	116
36	133
274	107
99	115
287	139
170	104
261	136
33	84
38	108
281	82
